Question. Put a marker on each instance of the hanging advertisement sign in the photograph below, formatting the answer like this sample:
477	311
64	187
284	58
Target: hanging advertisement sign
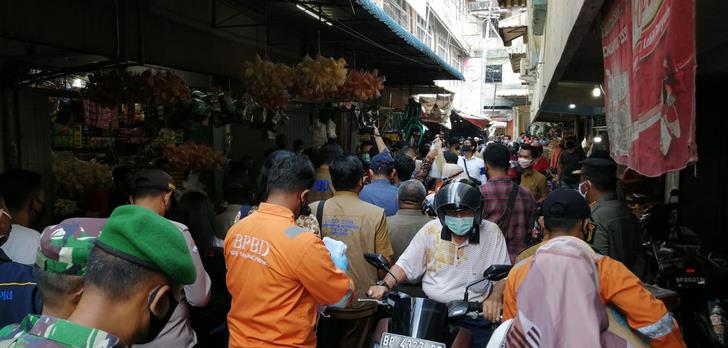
649	71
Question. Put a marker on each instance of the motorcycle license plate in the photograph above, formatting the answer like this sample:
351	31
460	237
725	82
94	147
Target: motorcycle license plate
390	340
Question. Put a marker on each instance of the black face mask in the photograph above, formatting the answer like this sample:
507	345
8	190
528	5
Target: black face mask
305	210
466	148
156	324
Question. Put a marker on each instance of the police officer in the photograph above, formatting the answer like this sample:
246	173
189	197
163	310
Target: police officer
131	289
59	269
617	232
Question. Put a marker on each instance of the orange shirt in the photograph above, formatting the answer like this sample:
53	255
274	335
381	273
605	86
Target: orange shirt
620	287
277	274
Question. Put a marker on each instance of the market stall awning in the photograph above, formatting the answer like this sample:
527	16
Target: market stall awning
215	37
410	39
480	121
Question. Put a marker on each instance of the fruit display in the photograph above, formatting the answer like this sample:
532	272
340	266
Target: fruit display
191	156
319	78
267	82
362	85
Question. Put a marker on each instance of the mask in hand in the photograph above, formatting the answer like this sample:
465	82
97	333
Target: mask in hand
459	225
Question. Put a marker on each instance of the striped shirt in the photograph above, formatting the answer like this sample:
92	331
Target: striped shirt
495	197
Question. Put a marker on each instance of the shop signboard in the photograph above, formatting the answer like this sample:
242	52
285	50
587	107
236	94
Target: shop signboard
649	65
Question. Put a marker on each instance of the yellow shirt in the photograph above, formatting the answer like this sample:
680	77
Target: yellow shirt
535	182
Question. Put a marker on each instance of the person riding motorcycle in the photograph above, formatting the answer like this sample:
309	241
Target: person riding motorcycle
452	251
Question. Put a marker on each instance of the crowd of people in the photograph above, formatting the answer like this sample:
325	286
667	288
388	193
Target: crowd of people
168	269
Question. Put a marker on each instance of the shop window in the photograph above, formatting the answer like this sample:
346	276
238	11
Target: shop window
493	73
442	45
424	31
399	11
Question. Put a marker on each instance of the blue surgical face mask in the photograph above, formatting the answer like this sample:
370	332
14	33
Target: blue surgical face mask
459	225
365	158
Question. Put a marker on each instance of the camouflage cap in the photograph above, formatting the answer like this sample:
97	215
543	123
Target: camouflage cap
64	248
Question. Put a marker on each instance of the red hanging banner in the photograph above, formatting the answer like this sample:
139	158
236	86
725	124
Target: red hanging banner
649	71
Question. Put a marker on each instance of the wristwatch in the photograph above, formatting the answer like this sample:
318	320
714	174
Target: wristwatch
384	284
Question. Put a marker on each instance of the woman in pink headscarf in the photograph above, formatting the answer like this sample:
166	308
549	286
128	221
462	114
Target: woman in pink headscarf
559	303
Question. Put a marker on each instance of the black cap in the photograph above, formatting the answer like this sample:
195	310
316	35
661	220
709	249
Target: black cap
156	179
599	169
565	203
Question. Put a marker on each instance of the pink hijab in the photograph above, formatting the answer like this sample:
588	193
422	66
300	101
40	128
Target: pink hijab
558	301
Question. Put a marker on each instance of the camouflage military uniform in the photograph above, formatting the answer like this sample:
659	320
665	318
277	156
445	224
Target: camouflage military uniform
56	333
64	248
9	333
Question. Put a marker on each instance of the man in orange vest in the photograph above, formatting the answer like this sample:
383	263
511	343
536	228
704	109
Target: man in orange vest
565	213
277	272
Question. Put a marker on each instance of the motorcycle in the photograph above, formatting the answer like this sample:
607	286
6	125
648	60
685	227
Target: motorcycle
678	261
417	322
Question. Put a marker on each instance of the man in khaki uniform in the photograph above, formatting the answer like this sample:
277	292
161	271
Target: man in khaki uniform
363	227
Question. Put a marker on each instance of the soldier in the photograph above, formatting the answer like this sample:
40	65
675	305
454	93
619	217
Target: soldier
131	289
59	269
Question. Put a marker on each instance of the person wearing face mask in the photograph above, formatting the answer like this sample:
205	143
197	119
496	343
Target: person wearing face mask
452	251
363	228
618	233
131	287
474	167
305	219
565	217
25	201
153	189
278	272
531	179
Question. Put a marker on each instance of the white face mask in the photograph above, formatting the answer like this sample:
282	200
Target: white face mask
581	189
524	162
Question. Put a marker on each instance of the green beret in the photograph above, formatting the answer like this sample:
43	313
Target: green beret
144	238
64	248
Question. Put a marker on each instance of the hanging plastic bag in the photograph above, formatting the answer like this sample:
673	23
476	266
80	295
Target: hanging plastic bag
337	249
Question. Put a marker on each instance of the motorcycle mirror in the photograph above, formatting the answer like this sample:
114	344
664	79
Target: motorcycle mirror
497	272
457	309
377	260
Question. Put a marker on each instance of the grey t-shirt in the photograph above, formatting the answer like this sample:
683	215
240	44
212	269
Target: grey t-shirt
402	228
